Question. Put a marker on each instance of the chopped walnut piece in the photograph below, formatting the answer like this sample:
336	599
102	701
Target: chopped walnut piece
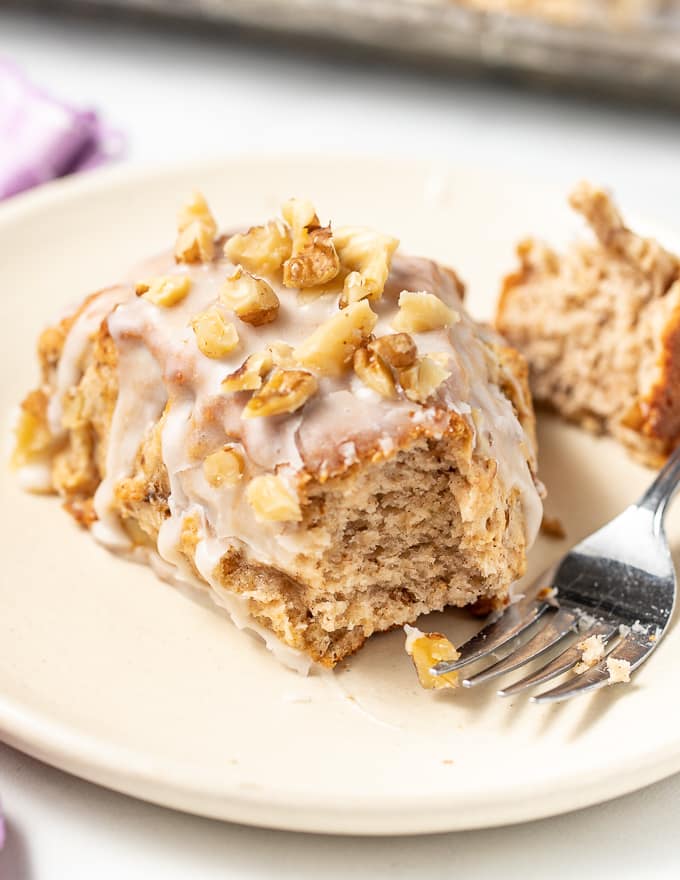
299	214
426	650
282	354
397	349
251	298
196	210
374	372
353	289
50	344
32	436
313	259
367	255
196	232
195	245
330	348
263	249
165	290
250	374
317	263
224	467
420	311
215	337
422	379
285	391
272	500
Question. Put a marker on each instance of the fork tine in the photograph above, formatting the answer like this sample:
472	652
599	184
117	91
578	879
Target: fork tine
560	664
511	623
630	648
560	623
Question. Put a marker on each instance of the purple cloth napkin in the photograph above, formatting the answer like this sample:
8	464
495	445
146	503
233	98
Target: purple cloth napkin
42	137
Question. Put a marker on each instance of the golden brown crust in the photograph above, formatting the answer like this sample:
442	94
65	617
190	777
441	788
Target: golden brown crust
661	406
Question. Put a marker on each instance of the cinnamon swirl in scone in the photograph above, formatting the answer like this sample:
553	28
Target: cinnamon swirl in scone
297	419
600	328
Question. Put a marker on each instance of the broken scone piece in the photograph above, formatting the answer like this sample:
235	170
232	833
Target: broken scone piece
298	420
600	327
426	650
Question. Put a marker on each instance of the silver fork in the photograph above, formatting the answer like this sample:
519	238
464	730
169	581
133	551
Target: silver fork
619	584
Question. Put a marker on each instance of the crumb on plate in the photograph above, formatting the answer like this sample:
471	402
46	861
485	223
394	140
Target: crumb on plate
552	527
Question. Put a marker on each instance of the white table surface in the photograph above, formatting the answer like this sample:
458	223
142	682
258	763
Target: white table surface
183	95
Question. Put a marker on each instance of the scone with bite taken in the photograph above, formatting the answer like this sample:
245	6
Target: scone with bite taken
300	421
600	327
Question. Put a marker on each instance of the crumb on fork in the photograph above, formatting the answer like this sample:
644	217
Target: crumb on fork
619	670
592	651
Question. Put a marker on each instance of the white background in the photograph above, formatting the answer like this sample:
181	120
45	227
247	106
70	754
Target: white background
180	94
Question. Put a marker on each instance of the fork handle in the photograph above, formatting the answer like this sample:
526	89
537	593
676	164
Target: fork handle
663	488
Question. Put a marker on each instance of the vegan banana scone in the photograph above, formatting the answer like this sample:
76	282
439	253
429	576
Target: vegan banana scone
600	328
298	420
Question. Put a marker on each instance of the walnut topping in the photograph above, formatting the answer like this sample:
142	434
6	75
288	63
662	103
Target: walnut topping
284	392
251	298
32	436
420	311
272	500
397	349
374	372
317	263
249	375
330	348
196	210
313	259
224	467
367	255
165	290
422	379
263	249
215	337
196	232
282	354
195	244
353	290
428	649
299	214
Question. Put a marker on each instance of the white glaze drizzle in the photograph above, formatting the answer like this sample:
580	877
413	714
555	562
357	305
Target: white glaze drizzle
141	398
76	345
160	363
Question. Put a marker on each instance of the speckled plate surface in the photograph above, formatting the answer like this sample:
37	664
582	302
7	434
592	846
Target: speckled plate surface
117	677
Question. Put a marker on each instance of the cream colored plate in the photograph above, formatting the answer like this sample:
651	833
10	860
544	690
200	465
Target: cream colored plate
113	675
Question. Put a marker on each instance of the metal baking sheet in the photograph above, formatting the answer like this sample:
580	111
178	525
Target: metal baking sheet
642	55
